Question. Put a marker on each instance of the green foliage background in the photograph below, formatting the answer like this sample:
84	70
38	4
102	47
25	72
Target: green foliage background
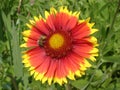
105	72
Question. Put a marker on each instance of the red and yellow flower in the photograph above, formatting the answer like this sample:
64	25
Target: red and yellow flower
59	46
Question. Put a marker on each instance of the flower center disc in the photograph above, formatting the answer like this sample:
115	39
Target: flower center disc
58	44
56	41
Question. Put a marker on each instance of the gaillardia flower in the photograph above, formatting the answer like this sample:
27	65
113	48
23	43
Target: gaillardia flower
59	46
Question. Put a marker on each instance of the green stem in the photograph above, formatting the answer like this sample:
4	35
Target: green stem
20	2
113	21
14	83
114	18
67	86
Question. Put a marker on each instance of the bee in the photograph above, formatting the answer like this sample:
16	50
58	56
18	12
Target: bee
41	41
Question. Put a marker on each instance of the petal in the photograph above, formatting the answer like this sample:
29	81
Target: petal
93	31
44	66
63	67
50	21
52	68
76	14
31	43
37	56
83	49
64	9
58	73
61	70
46	14
39	76
80	31
32	35
29	25
26	33
72	63
61	21
51	71
65	22
53	10
42	27
71	23
36	18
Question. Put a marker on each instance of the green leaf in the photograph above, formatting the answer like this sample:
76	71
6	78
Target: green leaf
25	80
13	38
98	74
118	85
2	46
113	59
7	26
16	53
107	82
110	87
79	83
7	21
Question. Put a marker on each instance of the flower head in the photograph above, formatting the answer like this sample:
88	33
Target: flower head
59	46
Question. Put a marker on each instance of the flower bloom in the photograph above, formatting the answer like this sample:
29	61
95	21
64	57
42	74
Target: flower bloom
59	46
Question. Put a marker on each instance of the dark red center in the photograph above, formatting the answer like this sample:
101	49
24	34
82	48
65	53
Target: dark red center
58	44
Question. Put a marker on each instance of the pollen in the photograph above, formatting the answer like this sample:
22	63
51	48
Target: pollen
56	41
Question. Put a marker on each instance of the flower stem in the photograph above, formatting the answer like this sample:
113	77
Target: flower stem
20	2
113	21
14	83
67	86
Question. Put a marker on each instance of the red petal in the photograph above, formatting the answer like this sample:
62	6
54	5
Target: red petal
63	67
72	63
34	51
50	21
52	68
61	70
81	31
71	23
34	35
61	21
84	40
34	29
42	27
44	66
32	43
37	56
82	49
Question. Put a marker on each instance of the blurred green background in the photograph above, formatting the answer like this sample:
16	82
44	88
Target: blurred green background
105	72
